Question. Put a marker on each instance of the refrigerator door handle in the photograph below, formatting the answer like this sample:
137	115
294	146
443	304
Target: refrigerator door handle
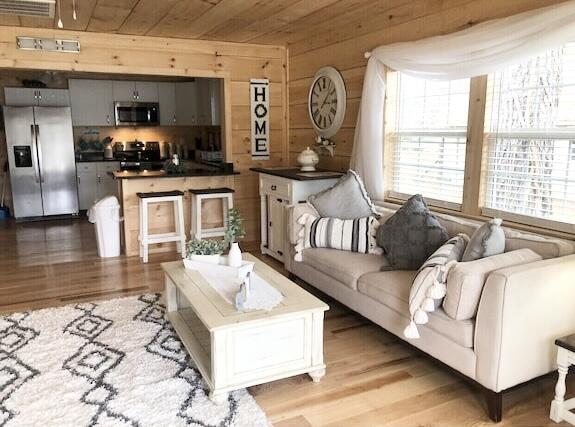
33	143
39	148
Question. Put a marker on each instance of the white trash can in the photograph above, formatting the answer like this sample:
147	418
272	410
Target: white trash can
105	215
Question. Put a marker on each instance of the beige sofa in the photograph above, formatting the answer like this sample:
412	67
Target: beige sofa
523	309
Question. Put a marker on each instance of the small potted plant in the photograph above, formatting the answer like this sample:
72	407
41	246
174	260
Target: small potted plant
207	250
234	232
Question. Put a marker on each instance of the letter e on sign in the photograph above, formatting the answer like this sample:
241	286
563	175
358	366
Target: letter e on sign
260	115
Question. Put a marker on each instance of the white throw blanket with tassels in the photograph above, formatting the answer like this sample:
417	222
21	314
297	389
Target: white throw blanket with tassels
429	286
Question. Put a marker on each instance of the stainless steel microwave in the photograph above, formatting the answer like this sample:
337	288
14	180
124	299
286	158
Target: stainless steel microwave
137	113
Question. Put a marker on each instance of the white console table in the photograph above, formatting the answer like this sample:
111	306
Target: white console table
280	188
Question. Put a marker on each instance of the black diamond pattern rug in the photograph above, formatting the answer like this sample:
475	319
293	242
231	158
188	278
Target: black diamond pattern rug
114	363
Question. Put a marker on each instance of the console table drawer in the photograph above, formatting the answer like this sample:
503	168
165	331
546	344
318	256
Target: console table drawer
275	187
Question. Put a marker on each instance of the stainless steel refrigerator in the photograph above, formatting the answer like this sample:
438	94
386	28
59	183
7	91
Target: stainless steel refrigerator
42	164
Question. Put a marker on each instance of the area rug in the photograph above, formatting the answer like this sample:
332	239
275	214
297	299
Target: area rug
111	363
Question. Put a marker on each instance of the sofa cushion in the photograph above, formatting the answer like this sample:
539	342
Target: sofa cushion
547	247
349	188
353	235
466	279
346	267
411	235
456	225
391	288
487	240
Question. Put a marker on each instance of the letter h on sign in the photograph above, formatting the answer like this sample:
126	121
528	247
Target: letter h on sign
260	113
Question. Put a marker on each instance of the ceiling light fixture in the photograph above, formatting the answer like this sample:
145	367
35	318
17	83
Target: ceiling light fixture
60	23
49	45
74	9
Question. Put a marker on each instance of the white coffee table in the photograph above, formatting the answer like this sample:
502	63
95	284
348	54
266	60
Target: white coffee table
234	350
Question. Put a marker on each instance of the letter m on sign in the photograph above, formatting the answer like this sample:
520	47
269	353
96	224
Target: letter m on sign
260	118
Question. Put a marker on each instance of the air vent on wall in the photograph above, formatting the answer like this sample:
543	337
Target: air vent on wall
38	8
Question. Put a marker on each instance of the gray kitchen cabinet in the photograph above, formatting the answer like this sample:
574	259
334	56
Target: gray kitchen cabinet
53	97
92	102
107	185
215	86
27	97
167	100
203	102
130	91
208	102
124	91
147	91
95	182
186	106
87	184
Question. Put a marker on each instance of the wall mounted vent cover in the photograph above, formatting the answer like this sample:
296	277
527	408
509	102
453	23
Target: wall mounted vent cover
38	8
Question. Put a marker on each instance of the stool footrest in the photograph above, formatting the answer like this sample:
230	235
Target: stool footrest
163	238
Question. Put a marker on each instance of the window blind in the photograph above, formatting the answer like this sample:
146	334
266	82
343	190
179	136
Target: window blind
429	139
530	136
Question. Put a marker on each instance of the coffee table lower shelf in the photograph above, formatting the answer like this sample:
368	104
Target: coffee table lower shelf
249	349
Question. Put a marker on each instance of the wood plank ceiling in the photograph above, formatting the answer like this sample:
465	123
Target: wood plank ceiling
276	22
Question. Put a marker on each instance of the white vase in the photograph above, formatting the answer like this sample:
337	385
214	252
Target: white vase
235	255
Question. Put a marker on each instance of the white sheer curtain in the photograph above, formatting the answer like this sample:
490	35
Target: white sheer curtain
476	51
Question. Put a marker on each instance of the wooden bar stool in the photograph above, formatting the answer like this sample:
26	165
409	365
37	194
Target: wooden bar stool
178	236
226	194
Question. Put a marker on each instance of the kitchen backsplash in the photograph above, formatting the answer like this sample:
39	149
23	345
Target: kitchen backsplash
90	139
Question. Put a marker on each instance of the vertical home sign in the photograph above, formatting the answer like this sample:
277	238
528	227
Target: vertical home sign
260	116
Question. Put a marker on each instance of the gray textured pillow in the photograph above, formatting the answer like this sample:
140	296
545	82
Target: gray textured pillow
488	240
347	199
411	235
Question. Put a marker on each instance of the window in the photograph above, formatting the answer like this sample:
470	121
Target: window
530	139
428	134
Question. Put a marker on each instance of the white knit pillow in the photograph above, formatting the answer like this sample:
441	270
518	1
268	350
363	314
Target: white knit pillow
354	235
428	288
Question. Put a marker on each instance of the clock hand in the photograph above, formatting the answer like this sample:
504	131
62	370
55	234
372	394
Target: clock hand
327	94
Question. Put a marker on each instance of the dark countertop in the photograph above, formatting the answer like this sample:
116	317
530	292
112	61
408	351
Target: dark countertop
296	174
162	174
96	161
567	342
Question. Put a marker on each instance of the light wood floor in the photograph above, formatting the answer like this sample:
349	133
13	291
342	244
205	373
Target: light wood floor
373	378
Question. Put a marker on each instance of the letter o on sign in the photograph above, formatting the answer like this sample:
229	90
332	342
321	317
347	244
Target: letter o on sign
261	111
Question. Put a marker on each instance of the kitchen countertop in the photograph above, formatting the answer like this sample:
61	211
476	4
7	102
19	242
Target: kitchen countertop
163	174
96	161
296	174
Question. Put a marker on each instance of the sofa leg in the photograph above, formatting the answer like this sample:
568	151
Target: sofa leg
494	404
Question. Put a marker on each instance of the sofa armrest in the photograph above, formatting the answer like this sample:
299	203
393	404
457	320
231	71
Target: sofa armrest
294	212
523	309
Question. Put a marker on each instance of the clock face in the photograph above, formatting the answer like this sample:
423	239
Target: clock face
323	101
326	101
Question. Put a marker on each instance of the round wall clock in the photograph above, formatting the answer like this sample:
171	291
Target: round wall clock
326	101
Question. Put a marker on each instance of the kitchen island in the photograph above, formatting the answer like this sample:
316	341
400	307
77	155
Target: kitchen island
161	216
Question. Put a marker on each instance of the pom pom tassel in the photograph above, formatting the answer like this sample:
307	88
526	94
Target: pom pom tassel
428	305
437	291
420	317
411	331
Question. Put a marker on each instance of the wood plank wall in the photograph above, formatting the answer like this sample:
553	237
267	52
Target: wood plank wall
111	53
361	30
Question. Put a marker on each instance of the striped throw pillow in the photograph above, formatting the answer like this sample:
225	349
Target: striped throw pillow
354	235
428	288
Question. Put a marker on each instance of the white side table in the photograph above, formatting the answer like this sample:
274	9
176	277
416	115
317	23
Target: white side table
561	408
